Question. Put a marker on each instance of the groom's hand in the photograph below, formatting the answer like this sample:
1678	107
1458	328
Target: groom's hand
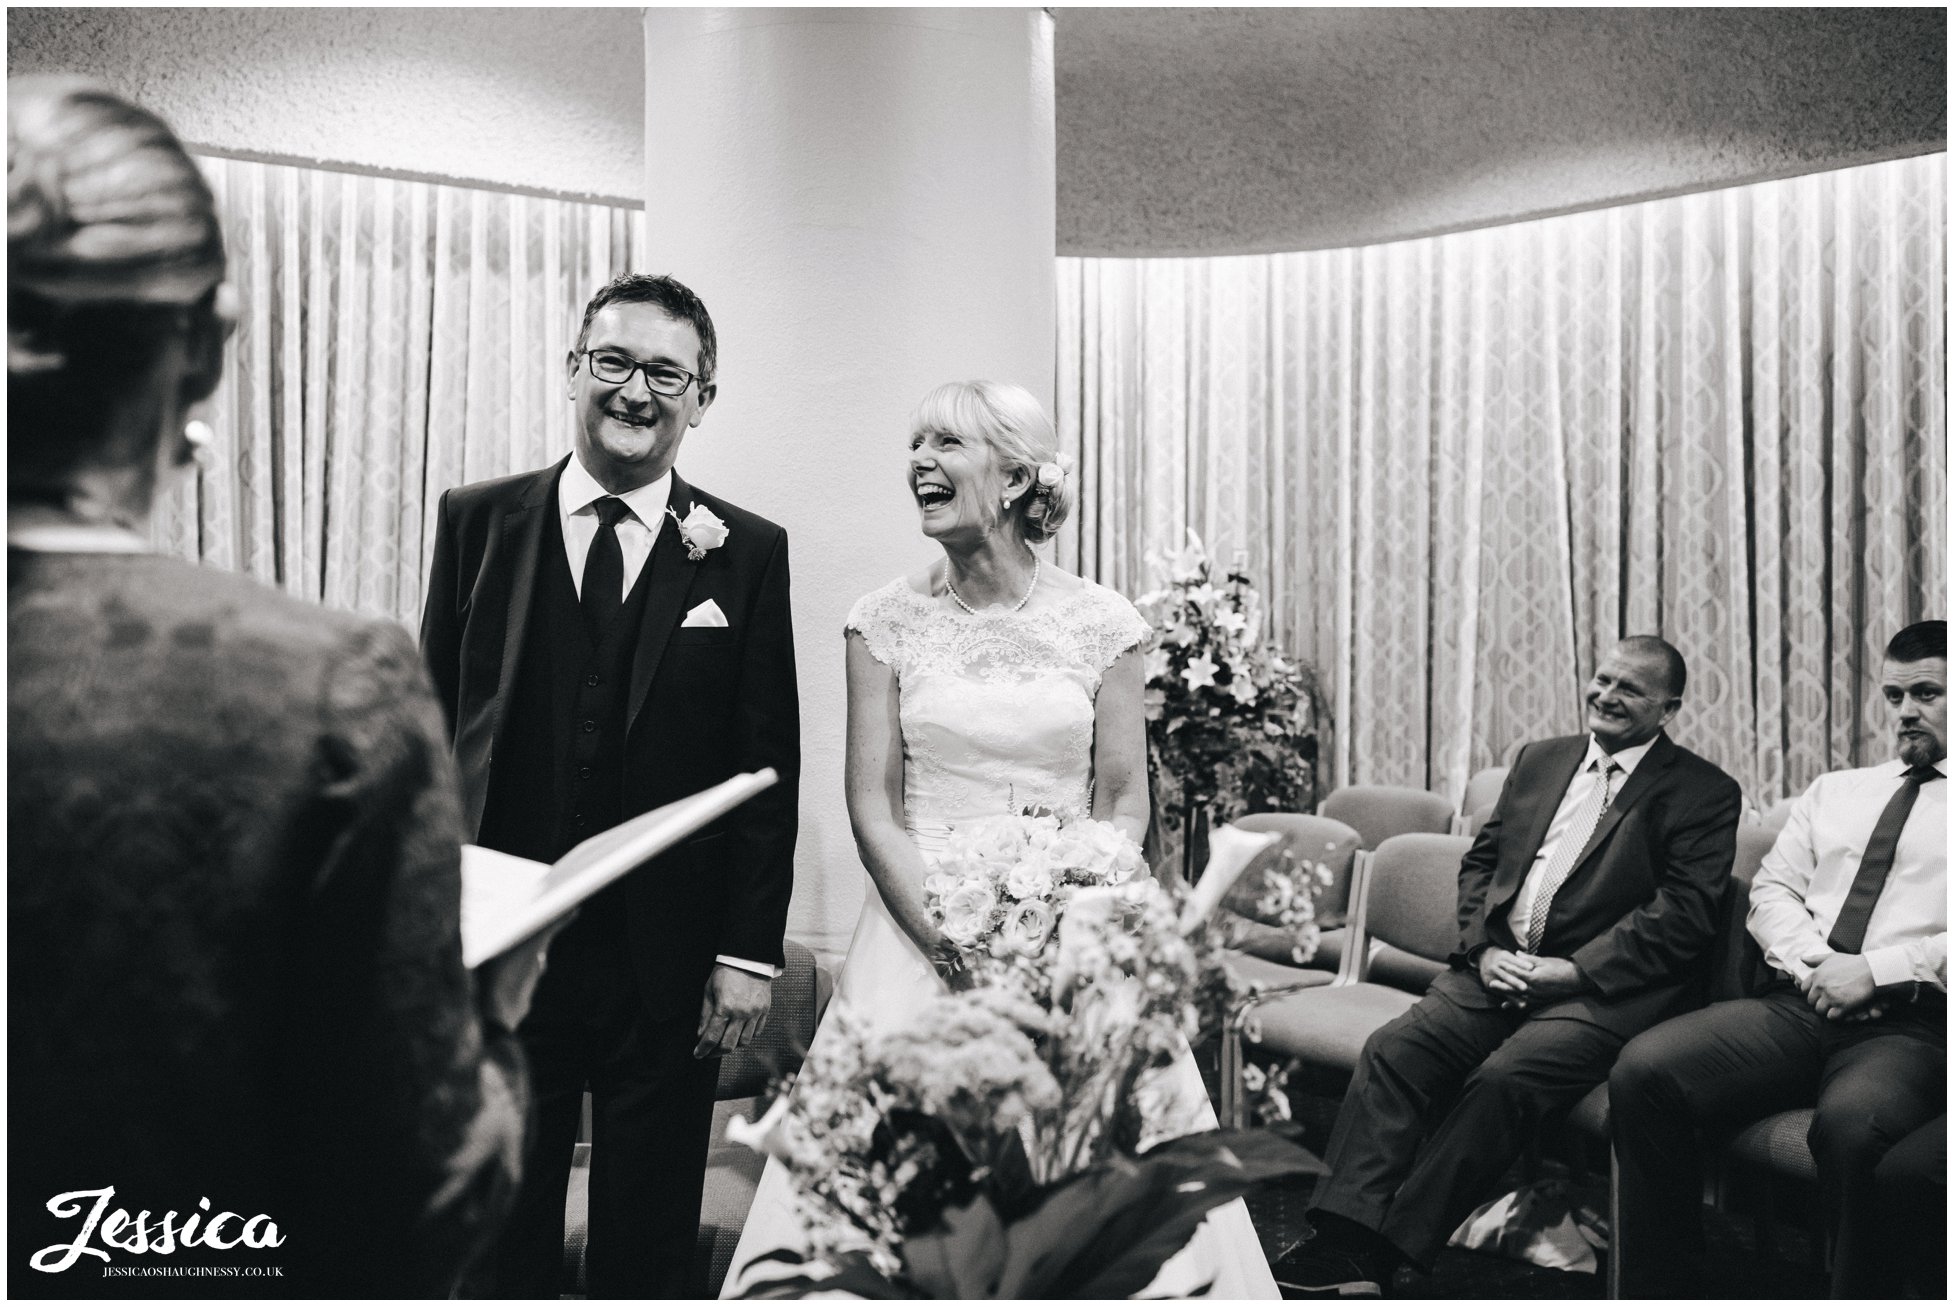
736	1007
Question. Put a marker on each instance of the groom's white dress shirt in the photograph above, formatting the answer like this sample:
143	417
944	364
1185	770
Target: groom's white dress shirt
577	493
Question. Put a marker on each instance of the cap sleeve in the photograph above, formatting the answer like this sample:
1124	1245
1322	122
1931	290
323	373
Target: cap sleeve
1111	627
881	617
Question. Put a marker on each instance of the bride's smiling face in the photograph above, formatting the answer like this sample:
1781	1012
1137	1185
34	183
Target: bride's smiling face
958	485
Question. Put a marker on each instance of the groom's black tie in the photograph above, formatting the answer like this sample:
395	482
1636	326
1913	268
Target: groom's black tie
603	569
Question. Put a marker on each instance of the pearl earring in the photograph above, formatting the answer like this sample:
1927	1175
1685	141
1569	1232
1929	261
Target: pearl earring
199	436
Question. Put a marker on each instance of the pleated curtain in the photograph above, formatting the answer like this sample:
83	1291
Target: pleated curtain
1461	467
397	338
1458	467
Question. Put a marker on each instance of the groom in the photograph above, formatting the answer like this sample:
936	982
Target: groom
606	638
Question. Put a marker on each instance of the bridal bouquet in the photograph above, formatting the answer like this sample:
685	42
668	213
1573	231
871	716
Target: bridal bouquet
1002	884
1017	1139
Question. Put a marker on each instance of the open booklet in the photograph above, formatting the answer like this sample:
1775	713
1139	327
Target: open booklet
506	899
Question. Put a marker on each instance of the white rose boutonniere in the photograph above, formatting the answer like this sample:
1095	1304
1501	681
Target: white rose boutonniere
701	530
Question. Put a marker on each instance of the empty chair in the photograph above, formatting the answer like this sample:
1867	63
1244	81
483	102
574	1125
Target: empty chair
1481	794
1774	817
1377	812
1263	951
1406	897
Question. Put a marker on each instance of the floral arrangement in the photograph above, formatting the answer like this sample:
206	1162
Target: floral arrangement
1002	883
885	1127
1230	719
1026	1136
1281	900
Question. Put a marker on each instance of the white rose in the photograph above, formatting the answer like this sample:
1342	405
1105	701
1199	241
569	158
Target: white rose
703	528
1030	879
1027	927
967	913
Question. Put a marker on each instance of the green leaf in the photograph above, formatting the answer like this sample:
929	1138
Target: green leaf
963	1256
1188	1178
856	1275
1106	1233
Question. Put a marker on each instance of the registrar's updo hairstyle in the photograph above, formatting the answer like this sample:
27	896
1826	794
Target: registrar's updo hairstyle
1013	423
113	250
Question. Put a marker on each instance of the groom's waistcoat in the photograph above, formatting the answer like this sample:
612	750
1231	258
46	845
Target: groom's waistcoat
559	768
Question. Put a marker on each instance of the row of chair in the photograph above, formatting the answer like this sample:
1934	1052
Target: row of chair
1378	812
1397	903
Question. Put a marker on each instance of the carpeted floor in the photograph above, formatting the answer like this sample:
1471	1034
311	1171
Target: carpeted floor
1750	1258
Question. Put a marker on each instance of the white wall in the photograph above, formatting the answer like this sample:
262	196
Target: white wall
877	225
538	99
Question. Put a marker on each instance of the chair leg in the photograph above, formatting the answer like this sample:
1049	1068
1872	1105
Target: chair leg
1229	1073
1614	1285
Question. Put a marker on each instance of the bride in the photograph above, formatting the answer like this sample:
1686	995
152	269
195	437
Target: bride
984	684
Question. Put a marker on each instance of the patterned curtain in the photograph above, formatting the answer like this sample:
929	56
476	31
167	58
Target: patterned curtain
397	338
1462	466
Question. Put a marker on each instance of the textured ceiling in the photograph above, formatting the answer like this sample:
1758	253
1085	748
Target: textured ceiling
540	99
1201	131
1180	131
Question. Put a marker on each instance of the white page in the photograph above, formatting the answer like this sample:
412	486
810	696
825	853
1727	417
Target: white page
506	899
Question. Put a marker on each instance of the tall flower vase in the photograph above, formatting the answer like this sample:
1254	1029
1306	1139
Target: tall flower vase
1194	840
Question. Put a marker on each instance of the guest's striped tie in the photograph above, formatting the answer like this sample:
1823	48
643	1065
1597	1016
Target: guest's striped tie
1570	848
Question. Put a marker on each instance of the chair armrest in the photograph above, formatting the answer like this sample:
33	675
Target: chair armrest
1356	962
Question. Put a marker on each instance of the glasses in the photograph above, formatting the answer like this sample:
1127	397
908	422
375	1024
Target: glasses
615	369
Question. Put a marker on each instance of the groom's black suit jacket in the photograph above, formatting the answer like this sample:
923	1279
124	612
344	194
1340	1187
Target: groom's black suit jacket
703	703
1639	910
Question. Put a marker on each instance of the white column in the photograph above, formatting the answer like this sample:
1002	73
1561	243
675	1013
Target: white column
865	200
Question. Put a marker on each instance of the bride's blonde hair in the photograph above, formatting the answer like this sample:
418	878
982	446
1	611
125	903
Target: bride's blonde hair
1013	423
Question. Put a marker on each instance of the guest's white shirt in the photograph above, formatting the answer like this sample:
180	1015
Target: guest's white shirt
577	493
1804	879
1580	793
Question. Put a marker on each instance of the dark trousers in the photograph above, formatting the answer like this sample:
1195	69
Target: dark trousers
1879	1089
1444	1100
651	1122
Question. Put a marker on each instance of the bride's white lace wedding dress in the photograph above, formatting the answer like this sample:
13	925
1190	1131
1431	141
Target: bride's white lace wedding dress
997	714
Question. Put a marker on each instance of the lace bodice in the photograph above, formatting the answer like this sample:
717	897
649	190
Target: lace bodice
997	708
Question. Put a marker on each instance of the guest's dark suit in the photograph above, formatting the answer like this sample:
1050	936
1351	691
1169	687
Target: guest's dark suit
559	735
1446	1096
235	966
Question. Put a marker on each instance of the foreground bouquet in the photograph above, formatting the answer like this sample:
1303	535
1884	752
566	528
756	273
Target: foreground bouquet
1025	1136
1230	719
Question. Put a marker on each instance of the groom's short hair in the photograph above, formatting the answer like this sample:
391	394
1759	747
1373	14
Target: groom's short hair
669	294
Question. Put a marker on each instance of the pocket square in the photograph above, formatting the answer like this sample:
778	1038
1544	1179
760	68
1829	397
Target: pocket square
706	614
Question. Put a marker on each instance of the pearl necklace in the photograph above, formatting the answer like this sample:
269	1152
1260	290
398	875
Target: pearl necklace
1035	564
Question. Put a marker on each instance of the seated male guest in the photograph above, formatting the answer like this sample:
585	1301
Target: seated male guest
1585	904
1850	908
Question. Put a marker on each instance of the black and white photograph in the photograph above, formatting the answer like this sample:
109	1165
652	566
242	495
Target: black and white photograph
976	653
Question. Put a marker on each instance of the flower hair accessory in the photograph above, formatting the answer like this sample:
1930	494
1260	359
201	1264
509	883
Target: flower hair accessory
1053	472
701	530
